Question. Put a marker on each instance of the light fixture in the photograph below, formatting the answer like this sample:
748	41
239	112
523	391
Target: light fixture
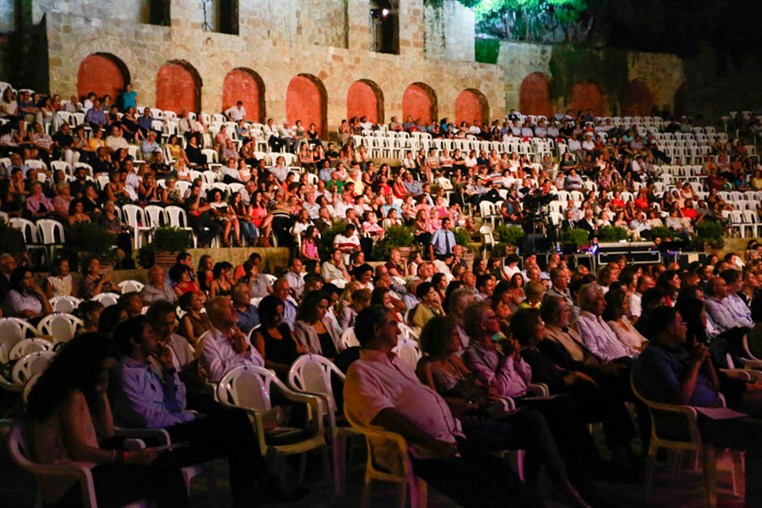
379	14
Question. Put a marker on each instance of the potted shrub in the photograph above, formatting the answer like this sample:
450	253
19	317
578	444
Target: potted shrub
400	237
85	239
662	232
166	244
463	238
509	238
612	234
710	233
572	239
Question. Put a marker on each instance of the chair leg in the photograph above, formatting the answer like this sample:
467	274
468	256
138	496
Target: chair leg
339	447
419	495
366	493
329	478
302	468
402	495
737	470
710	476
649	474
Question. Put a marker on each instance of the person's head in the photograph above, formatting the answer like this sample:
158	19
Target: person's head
21	279
667	326
645	282
137	339
314	307
376	327
439	338
221	268
555	311
527	326
132	302
717	288
534	291
90	311
590	298
364	273
271	310
733	279
241	295
162	316
480	321
221	312
617	304
110	317
82	364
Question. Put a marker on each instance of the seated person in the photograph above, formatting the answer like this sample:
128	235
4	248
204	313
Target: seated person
668	372
381	391
225	346
314	330
597	335
157	288
26	299
248	315
194	323
273	339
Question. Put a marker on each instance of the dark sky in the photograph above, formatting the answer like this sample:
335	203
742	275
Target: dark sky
681	26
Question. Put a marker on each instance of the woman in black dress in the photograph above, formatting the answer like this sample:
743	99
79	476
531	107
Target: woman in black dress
273	337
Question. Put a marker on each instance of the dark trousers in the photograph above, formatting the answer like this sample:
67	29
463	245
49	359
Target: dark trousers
117	484
595	405
475	479
205	227
225	433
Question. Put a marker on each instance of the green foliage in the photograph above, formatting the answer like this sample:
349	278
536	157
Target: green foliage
89	238
487	50
327	236
534	20
168	239
511	235
711	232
11	239
462	237
612	234
662	232
576	237
395	236
572	64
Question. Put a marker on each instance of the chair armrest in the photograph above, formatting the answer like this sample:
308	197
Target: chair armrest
742	374
255	417
538	390
752	363
386	435
159	435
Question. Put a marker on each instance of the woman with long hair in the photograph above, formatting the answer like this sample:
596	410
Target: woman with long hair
314	330
222	283
26	299
273	338
93	282
194	323
68	411
616	314
59	283
205	272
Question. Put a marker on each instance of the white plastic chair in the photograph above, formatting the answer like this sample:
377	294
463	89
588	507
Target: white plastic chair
249	388
61	326
177	218
12	331
129	286
28	346
312	374
107	299
66	304
29	365
408	352
136	219
348	339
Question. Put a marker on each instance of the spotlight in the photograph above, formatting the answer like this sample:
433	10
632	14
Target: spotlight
384	13
379	14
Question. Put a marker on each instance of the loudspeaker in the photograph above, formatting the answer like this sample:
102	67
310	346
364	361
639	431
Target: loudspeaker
534	243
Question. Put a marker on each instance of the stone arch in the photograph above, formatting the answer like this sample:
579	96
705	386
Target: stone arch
306	100
102	73
471	105
178	87
243	84
365	98
534	97
638	99
420	102
588	95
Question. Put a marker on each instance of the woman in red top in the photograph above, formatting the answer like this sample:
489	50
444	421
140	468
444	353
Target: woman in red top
641	201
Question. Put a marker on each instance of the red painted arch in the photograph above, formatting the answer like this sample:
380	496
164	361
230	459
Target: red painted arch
470	106
365	98
306	101
102	74
244	85
534	96
419	102
638	99
588	96
178	87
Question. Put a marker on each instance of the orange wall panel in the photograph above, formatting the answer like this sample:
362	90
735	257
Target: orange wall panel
638	100
100	74
362	101
468	107
588	96
241	85
534	96
176	89
416	102
304	102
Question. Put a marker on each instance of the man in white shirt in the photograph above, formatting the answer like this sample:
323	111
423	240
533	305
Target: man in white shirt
236	113
597	335
645	282
295	277
116	141
225	346
733	303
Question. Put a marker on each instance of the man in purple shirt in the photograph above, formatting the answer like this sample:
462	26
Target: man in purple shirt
95	116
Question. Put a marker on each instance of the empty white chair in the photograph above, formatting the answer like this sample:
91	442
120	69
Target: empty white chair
28	346
59	325
67	304
29	365
12	331
107	299
129	286
348	339
408	352
178	219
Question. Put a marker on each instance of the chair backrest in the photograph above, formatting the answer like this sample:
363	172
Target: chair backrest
246	387
176	216
688	437
61	326
50	231
408	352
312	374
128	286
154	215
27	228
348	339
28	346
107	299
133	215
66	304
12	331
29	365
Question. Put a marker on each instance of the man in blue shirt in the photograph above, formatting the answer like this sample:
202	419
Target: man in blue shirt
443	240
248	315
95	116
666	371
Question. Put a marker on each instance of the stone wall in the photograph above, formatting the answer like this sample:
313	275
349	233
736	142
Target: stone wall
449	32
663	74
518	60
276	59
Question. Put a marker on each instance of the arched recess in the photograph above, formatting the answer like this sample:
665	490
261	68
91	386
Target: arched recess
471	105
587	96
534	97
245	85
638	99
102	73
365	98
420	103
678	108
306	100
178	87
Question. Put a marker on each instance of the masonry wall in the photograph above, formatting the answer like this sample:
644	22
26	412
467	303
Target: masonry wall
449	32
330	48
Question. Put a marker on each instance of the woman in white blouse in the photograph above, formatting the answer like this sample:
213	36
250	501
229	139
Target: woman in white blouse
616	314
59	282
